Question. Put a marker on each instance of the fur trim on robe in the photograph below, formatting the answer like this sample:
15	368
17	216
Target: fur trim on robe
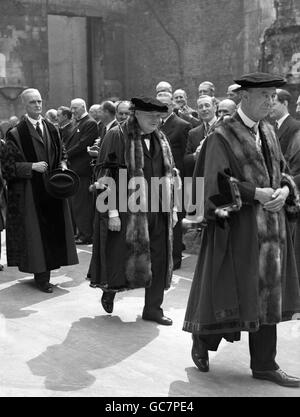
271	226
138	274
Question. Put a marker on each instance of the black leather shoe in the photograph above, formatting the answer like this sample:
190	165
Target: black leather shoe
278	377
45	287
200	356
165	321
1	267
107	301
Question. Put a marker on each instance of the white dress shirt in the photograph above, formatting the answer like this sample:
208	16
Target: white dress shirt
34	122
251	124
280	121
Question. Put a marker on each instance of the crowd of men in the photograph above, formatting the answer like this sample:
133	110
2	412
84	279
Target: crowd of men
55	170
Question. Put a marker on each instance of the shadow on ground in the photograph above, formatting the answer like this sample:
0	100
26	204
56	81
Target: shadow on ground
15	299
91	344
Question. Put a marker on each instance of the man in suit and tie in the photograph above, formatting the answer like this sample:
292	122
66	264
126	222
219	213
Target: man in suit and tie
95	112
207	111
84	134
39	234
287	129
288	132
64	117
107	115
176	130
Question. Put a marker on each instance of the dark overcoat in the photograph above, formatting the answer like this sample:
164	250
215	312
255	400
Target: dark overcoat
289	139
121	260
39	233
176	130
246	273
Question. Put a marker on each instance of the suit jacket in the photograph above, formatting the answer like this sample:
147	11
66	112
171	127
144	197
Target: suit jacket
84	134
195	137
102	128
66	131
176	130
289	138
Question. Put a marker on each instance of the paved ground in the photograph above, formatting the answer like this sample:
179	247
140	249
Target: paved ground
64	344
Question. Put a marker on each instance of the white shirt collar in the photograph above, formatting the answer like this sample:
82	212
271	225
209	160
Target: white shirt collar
167	118
84	115
280	121
108	126
212	121
34	121
247	121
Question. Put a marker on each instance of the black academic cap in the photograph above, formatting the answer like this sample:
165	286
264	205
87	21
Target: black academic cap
260	80
149	104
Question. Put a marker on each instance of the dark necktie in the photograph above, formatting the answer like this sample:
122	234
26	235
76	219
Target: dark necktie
206	128
276	128
39	130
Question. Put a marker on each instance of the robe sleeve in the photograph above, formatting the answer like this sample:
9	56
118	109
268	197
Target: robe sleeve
111	149
13	164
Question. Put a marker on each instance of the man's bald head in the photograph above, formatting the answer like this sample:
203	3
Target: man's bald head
166	98
164	86
226	107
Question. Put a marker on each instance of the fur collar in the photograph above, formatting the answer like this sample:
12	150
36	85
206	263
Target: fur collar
138	267
271	227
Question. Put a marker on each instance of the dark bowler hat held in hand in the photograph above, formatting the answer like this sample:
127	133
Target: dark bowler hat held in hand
260	80
62	183
149	104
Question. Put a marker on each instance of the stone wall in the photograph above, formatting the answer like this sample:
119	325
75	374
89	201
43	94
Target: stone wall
189	41
24	45
142	42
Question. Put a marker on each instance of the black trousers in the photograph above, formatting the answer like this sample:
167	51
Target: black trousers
82	208
177	241
262	347
42	277
154	295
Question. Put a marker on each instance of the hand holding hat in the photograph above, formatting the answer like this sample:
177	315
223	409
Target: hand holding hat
62	183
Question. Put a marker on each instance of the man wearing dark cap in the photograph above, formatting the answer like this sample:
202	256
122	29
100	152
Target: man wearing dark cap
133	242
246	277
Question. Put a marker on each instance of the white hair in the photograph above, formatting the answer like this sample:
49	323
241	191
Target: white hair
28	91
79	101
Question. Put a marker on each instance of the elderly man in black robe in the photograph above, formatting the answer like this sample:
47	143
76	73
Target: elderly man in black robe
133	244
246	277
39	233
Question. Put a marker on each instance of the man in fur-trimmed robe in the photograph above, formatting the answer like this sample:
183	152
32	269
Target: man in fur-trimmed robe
39	233
134	249
246	277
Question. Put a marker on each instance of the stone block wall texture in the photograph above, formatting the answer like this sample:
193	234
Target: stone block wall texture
189	41
24	43
143	42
